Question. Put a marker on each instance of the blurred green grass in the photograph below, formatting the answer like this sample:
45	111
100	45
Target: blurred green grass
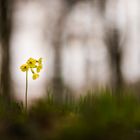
93	116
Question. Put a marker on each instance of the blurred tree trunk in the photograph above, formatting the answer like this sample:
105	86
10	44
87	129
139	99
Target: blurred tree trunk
57	42
5	28
101	4
113	39
58	85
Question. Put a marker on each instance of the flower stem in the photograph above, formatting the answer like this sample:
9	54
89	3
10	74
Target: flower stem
26	91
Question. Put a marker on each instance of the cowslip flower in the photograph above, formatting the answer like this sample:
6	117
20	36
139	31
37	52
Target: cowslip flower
40	61
35	76
39	67
24	67
31	64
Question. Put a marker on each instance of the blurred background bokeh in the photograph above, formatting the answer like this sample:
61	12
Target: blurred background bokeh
85	44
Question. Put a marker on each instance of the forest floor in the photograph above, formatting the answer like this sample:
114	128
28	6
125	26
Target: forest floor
90	117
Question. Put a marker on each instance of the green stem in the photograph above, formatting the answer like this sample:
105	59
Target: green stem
26	91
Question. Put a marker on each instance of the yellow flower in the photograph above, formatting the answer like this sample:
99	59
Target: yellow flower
31	62
39	67
35	76
40	61
24	67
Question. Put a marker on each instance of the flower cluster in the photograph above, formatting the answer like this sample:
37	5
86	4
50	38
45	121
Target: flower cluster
32	64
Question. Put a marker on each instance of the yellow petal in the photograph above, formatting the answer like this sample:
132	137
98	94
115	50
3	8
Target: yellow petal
40	61
24	67
31	62
35	76
38	69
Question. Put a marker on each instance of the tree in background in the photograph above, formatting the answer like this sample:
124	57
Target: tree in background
112	40
5	28
113	44
58	85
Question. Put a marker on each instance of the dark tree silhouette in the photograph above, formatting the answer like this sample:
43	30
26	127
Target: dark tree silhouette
5	28
58	85
112	40
113	43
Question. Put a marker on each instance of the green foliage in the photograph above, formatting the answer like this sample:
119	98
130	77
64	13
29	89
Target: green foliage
95	116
